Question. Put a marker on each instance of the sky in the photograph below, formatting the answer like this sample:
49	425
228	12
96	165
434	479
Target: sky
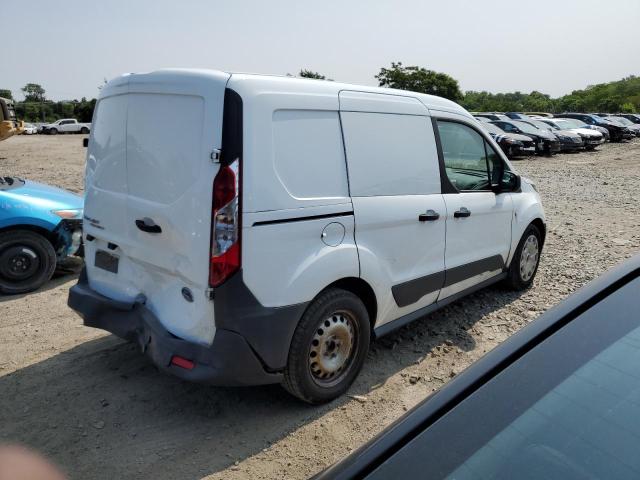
553	46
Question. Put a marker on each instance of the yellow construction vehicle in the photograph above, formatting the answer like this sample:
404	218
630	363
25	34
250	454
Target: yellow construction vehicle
9	125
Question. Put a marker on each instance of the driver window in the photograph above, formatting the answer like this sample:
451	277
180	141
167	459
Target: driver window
465	157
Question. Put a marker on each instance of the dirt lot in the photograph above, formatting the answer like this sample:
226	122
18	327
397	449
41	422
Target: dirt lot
101	410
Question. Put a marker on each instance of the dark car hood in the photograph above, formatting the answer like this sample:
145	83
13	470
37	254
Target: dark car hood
513	136
567	133
543	134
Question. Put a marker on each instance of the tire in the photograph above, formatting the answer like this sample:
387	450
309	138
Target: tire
523	267
335	329
590	148
52	131
27	261
84	130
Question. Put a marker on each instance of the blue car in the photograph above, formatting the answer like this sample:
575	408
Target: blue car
39	227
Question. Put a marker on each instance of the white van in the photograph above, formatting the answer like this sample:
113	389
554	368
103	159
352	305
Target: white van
250	229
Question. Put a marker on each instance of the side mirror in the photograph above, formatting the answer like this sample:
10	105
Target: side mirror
85	142
510	183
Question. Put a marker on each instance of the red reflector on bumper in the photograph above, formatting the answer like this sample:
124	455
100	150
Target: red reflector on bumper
182	362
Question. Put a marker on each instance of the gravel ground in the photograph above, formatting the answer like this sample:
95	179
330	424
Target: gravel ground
100	410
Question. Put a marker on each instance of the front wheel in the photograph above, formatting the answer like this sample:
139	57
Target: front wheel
524	264
27	261
328	347
53	131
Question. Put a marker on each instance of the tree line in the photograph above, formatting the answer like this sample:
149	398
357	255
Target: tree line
622	96
37	108
619	96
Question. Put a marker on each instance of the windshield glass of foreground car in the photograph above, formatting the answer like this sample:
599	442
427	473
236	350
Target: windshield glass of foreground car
567	409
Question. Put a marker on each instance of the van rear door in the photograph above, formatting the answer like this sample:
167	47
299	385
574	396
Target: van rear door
148	200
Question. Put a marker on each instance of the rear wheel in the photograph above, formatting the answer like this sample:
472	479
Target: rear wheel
84	130
27	261
328	347
524	264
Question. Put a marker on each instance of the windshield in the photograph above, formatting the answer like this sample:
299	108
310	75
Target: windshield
541	124
554	124
526	127
491	128
564	124
622	120
565	410
575	123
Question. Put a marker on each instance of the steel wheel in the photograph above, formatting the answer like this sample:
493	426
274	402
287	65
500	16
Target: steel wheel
332	347
27	261
19	263
529	258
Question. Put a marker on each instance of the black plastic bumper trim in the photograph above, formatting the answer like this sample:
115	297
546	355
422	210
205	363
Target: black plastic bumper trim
228	361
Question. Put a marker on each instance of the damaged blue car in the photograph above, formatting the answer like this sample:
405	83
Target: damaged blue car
40	227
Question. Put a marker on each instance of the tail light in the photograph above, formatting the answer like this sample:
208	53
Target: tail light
225	236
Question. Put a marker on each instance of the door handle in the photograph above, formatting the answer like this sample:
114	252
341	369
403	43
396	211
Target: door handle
148	225
462	213
429	216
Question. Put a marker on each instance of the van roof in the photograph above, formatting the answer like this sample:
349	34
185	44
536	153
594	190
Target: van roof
257	82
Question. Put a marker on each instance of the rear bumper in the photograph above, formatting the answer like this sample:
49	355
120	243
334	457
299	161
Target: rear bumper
228	361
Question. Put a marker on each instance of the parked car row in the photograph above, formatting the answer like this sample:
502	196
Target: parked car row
520	134
64	125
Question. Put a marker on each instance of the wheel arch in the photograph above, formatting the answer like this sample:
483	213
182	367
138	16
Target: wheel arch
361	289
48	234
542	227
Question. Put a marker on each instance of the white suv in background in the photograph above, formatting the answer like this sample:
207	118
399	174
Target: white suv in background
249	229
66	125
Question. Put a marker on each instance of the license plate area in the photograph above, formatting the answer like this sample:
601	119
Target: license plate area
106	261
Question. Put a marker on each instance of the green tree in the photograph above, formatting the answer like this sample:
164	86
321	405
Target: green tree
33	93
419	79
304	73
6	93
627	108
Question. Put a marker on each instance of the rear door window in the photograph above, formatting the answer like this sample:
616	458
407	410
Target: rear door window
106	163
164	154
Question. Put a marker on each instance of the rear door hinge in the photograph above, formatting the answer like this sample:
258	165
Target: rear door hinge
209	293
215	155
